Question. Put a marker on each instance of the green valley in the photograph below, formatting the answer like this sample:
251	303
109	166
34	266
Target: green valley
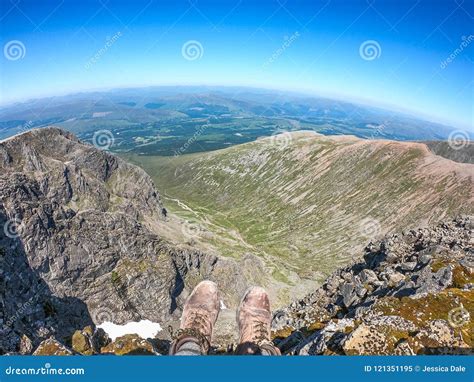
306	203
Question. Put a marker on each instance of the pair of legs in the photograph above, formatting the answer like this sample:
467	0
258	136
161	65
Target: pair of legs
200	314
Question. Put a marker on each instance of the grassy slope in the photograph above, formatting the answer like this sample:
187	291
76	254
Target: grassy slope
310	204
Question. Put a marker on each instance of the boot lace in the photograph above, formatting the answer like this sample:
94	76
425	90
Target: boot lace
261	332
196	327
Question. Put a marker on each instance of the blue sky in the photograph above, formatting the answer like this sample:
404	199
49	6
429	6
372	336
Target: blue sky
313	47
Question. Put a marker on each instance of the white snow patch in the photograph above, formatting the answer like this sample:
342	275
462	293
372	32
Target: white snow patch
144	328
223	305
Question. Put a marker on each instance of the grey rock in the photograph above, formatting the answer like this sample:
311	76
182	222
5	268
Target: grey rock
429	282
289	344
348	293
395	278
368	276
468	262
403	348
333	282
408	266
280	320
26	346
318	342
394	322
360	311
424	259
360	291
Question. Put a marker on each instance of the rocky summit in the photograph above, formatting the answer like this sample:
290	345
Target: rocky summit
84	240
411	293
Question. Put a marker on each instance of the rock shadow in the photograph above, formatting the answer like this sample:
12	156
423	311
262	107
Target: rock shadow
28	306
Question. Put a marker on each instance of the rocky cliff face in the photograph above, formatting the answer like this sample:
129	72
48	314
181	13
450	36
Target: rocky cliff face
77	243
413	293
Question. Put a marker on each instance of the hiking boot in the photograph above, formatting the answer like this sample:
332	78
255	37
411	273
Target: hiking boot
254	319
198	318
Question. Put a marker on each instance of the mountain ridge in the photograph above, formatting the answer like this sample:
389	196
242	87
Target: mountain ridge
169	112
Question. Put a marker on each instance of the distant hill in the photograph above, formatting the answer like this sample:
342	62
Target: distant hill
166	117
463	153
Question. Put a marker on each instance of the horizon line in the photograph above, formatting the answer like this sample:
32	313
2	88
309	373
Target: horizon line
366	102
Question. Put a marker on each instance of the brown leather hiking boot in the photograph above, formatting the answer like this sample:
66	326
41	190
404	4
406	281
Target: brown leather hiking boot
254	319
199	316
